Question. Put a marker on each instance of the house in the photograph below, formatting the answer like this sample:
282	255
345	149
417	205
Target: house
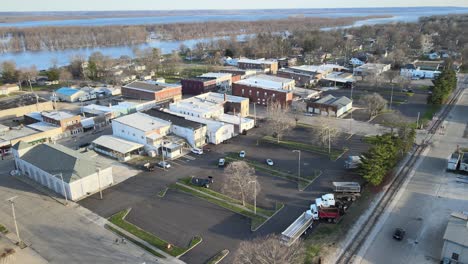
433	56
265	66
412	71
330	106
193	132
455	249
76	176
260	89
162	93
6	89
70	95
223	80
115	147
371	69
198	85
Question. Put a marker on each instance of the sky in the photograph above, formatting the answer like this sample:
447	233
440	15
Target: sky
100	5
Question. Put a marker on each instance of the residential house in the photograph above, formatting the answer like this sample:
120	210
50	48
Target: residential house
8	88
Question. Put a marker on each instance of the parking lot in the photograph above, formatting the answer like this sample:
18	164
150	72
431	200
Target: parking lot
178	217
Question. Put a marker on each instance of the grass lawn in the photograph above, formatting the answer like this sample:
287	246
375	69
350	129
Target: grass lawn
119	220
305	180
430	112
3	229
228	203
218	257
335	153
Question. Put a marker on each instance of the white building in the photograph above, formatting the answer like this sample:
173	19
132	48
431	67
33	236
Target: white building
48	164
411	71
115	147
455	248
371	69
240	123
141	128
197	107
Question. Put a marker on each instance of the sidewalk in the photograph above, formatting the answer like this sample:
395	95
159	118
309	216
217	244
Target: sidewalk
25	255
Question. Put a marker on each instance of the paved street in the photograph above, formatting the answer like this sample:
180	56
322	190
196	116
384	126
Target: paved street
58	233
424	205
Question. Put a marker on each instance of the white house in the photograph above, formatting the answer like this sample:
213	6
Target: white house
61	169
356	62
410	71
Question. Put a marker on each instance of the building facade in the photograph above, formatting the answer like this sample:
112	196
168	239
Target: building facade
157	91
455	249
265	66
198	85
261	89
330	106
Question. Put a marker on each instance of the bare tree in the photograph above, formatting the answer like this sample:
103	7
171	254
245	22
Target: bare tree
375	104
65	75
278	119
28	75
298	108
240	181
268	250
390	76
324	133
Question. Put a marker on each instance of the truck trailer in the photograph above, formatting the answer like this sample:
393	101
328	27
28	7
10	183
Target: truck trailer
453	160
348	191
297	228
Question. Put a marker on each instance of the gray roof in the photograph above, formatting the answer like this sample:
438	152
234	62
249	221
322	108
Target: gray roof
55	159
157	86
174	119
457	229
332	100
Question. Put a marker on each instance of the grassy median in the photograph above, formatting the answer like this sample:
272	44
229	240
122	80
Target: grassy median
3	229
334	154
119	220
218	257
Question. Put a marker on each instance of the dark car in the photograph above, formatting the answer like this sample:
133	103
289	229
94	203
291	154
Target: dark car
202	182
399	234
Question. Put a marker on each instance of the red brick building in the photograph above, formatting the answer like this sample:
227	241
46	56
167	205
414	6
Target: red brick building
266	66
261	89
161	92
198	85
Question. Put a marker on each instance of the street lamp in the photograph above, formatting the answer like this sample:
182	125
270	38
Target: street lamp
299	169
255	194
391	97
14	217
63	187
98	171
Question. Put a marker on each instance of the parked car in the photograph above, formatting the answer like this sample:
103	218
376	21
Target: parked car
399	234
202	182
164	164
242	154
197	151
221	162
269	162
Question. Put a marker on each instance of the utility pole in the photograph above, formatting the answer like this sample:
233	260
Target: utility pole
391	98
11	200
417	121
63	188
329	142
298	170
98	170
255	114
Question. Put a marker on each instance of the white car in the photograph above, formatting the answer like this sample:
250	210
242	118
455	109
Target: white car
269	162
242	154
164	164
197	151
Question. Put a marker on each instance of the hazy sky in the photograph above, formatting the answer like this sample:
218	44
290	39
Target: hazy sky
86	5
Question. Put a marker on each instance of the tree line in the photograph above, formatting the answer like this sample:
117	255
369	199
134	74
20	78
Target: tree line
444	85
57	38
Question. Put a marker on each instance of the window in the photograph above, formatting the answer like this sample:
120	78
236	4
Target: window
258	93
242	91
455	256
274	95
250	92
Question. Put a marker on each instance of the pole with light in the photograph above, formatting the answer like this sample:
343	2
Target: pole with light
98	171
255	194
299	168
63	188
11	200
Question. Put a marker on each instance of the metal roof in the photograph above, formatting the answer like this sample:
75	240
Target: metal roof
67	91
55	159
142	122
174	119
332	100
117	144
153	87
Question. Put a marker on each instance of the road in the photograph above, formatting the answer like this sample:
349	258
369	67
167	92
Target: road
423	205
61	234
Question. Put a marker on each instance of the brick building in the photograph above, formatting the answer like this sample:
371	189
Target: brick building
266	66
67	121
262	88
158	91
198	85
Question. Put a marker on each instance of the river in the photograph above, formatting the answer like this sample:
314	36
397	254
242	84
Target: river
43	59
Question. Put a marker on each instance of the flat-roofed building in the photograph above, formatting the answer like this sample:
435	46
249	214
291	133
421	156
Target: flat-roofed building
265	66
68	122
198	85
162	93
260	89
371	69
223	80
232	104
115	147
455	248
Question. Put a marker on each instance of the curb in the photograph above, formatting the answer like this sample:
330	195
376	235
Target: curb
268	219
